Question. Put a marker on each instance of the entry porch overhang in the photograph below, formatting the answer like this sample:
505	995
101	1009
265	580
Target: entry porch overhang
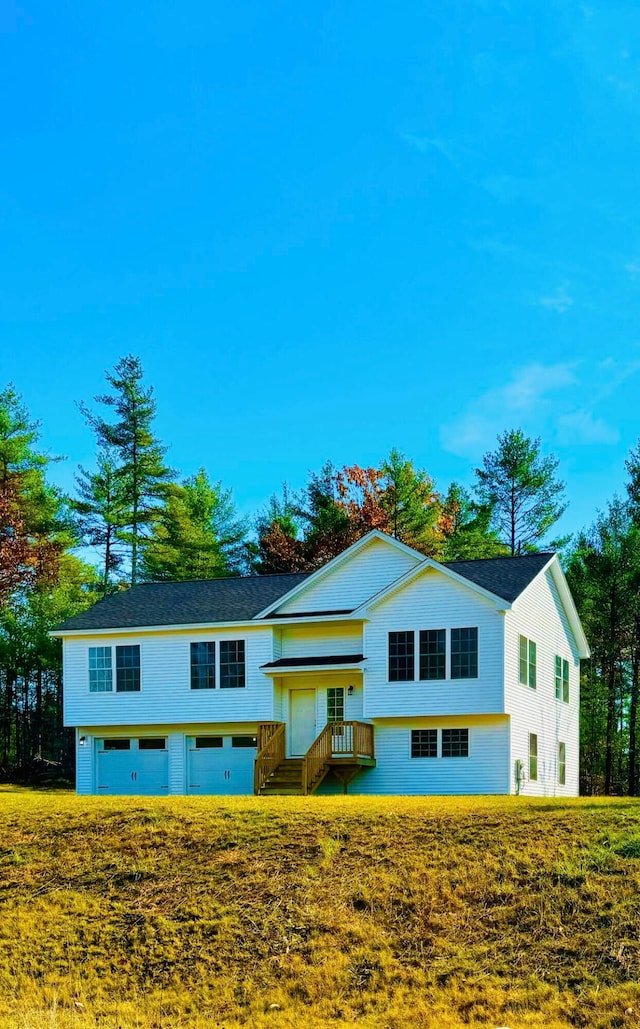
322	663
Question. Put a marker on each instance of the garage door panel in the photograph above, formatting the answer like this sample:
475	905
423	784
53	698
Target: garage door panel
220	769
132	771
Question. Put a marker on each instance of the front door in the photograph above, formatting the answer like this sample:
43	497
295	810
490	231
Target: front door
302	720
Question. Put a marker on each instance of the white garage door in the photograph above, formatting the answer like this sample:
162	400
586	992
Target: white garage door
220	764
135	766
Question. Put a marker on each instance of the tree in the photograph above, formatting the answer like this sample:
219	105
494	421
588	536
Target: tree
521	488
468	531
413	507
198	535
101	508
33	531
604	575
139	455
279	547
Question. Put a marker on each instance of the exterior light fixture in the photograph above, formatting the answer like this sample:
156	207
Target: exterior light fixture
82	741
350	691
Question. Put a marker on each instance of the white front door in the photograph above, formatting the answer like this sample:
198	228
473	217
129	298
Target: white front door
302	721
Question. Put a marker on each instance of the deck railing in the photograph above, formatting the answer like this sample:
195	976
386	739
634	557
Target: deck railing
339	740
271	752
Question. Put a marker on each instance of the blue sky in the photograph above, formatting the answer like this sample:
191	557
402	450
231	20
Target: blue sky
327	229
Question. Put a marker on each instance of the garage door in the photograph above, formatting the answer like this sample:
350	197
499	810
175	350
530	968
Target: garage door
135	766
220	764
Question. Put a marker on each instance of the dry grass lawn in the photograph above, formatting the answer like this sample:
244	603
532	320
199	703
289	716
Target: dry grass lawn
300	913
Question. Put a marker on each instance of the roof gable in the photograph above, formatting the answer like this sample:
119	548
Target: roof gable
349	579
500	580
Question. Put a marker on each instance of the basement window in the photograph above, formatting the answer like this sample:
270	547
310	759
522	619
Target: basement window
455	743
424	743
533	756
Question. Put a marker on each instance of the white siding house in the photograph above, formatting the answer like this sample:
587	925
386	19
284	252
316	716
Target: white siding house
384	672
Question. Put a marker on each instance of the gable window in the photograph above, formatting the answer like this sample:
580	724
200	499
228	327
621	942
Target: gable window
562	679
433	654
424	743
464	653
455	743
335	704
128	669
533	756
562	763
527	662
401	656
203	666
232	664
100	671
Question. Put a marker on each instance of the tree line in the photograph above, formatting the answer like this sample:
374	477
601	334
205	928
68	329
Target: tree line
138	520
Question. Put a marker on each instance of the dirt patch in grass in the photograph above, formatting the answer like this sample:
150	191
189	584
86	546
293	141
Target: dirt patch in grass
376	912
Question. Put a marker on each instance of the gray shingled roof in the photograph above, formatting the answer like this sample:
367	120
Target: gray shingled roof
241	599
504	576
185	603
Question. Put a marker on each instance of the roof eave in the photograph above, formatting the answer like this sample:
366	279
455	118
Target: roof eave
119	630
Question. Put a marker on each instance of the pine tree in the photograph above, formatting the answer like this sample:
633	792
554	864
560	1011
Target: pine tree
198	535
521	488
101	509
139	455
467	527
412	505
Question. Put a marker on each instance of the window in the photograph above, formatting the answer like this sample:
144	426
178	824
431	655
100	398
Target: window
128	669
464	653
527	662
100	672
455	743
152	743
433	654
335	704
401	656
231	664
562	679
533	756
424	743
203	666
562	763
208	742
114	744
243	741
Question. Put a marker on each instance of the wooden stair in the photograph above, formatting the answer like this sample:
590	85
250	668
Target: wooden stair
285	780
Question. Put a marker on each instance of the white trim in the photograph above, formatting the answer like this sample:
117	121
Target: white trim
568	603
427	563
335	562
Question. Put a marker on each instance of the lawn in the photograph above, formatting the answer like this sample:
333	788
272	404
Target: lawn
301	913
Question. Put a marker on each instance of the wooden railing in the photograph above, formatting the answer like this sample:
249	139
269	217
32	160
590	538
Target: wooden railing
271	752
317	758
337	740
265	731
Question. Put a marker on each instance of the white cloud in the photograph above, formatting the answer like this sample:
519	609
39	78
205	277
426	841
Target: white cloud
423	144
551	401
560	302
581	427
521	399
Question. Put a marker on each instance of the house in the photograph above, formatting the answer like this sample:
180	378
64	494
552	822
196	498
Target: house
383	671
